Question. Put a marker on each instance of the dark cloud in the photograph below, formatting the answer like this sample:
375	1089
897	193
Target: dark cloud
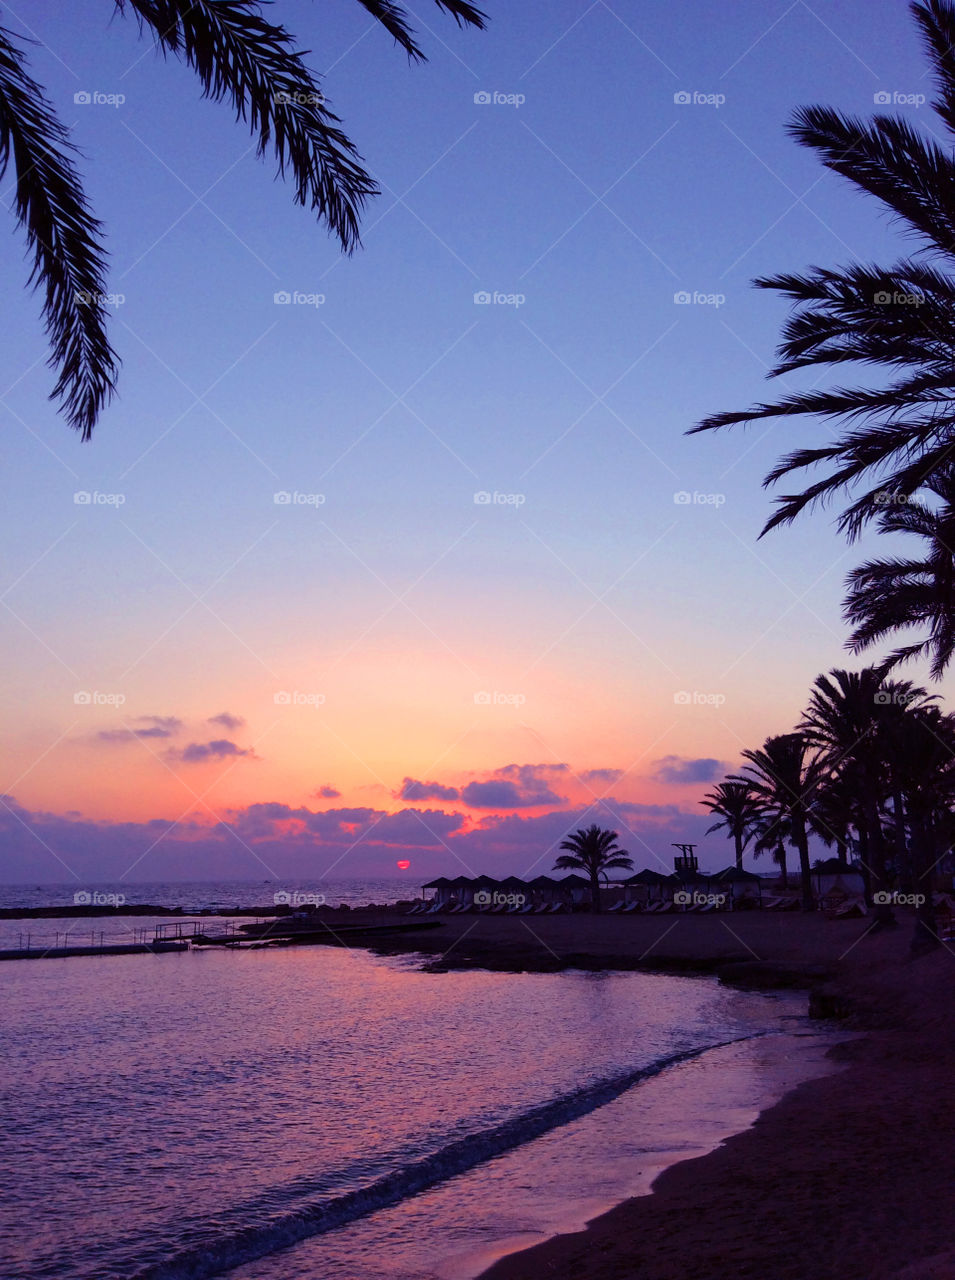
601	775
327	793
412	789
217	749
227	720
276	839
679	771
154	727
515	786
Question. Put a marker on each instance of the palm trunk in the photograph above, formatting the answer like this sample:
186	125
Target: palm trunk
739	850
805	873
884	915
781	863
925	937
595	890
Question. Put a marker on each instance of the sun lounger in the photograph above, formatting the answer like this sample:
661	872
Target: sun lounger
416	909
854	907
616	906
630	907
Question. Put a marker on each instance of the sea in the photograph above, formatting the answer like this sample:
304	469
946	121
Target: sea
317	1113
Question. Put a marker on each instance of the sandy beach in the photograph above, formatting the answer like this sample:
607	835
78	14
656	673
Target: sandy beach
848	1176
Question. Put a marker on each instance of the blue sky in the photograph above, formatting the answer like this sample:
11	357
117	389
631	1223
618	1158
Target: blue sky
585	594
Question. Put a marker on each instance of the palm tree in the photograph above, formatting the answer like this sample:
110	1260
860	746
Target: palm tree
594	851
901	318
738	809
927	771
783	781
896	594
238	56
845	722
770	832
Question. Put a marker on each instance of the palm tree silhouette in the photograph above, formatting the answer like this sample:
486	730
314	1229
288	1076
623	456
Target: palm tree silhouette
900	319
895	594
783	782
845	722
738	810
594	851
926	766
238	56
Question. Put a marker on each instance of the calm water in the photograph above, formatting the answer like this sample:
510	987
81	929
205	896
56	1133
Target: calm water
325	1113
218	895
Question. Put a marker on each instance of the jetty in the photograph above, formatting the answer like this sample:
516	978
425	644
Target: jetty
185	935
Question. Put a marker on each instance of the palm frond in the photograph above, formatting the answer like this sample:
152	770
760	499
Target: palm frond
240	57
69	262
938	30
395	21
903	168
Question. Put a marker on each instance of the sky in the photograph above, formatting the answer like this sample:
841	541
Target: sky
406	556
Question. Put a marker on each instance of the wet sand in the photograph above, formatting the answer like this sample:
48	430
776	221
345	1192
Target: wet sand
849	1176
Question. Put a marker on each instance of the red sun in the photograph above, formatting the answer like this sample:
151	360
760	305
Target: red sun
403	864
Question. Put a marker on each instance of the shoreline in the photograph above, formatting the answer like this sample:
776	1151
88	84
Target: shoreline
845	1177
